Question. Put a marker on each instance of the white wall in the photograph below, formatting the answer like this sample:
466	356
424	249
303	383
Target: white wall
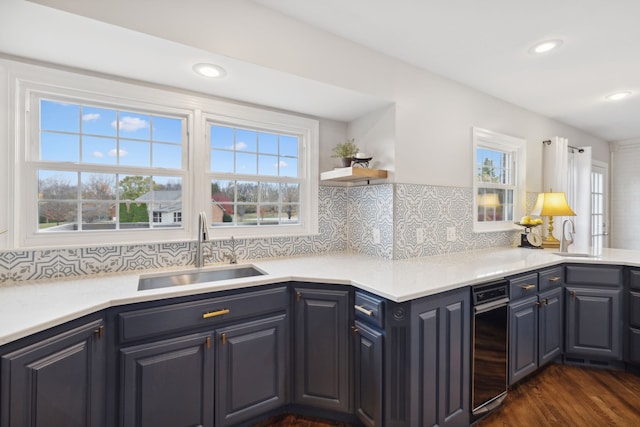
625	195
434	115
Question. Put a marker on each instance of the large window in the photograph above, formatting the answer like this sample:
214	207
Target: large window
114	163
101	168
498	180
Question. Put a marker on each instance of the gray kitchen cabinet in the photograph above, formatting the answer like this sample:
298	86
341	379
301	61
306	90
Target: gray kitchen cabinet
368	366
550	325
535	322
633	354
594	314
205	361
251	369
321	348
57	381
523	338
440	359
168	382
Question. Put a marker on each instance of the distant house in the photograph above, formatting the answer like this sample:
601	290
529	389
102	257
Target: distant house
164	206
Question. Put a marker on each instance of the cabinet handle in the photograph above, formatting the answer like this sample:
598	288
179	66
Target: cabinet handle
216	313
361	309
546	301
223	338
573	293
538	303
208	342
298	296
554	279
354	330
99	331
527	287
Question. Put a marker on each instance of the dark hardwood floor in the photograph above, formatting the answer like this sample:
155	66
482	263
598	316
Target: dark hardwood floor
560	395
565	395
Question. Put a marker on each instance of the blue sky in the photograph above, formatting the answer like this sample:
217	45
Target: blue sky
75	133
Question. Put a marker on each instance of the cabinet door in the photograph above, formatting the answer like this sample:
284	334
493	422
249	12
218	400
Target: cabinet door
441	333
523	338
168	383
551	326
58	382
251	369
322	332
634	345
368	375
594	322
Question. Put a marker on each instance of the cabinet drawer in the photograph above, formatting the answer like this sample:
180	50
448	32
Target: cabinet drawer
592	275
634	279
369	309
549	279
138	324
634	309
523	286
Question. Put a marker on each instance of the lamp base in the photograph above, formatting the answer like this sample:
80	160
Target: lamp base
551	242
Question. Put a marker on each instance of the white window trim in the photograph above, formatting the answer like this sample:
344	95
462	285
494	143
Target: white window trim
26	78
483	138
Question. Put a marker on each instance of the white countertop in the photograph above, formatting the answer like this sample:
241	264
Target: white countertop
29	307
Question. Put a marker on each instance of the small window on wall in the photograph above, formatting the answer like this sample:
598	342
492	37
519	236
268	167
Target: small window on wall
498	184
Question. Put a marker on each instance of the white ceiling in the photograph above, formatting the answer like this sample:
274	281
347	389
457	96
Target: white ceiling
481	43
484	44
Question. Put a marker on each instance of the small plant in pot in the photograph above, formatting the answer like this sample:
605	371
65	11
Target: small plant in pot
346	150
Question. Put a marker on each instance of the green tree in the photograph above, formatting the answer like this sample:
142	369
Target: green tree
132	187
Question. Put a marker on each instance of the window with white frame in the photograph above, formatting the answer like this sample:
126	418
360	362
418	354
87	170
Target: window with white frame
498	184
259	176
125	167
105	168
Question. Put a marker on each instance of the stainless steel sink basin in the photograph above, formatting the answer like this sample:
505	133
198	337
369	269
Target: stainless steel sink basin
160	280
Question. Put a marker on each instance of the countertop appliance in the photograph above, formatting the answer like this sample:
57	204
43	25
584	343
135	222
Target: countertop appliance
490	351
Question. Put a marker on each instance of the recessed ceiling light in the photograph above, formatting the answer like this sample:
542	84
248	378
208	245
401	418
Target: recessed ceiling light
545	46
209	70
618	96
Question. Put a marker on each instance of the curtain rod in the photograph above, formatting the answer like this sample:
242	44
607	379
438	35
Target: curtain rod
580	150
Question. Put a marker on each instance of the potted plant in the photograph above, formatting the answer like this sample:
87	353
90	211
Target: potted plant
346	150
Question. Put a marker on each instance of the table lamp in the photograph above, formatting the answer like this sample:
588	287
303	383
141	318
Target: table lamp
552	204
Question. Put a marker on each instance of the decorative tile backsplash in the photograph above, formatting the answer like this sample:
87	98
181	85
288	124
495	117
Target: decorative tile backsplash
378	220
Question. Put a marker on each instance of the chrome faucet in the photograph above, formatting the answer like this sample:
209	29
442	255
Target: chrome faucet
203	236
564	242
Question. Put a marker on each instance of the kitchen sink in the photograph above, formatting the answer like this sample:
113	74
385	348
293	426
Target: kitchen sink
156	281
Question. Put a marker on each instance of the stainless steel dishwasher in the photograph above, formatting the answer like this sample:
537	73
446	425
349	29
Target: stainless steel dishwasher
490	351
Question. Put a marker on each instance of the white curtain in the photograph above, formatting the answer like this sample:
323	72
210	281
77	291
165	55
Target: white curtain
555	177
581	198
569	171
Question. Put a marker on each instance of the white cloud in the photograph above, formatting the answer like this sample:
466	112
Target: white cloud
98	154
90	117
281	164
131	124
238	146
115	152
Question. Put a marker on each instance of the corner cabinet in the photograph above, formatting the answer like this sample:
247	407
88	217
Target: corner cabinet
58	381
321	347
440	359
594	315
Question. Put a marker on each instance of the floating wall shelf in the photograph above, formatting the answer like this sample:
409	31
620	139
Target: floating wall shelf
353	174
